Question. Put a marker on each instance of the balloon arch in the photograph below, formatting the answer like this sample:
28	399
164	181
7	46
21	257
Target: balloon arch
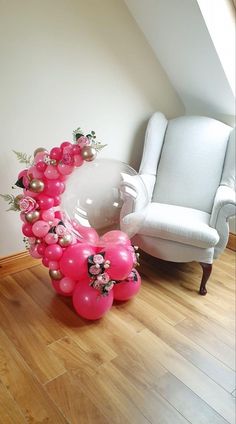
94	270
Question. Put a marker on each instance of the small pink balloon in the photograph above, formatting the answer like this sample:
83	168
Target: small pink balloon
48	215
40	156
58	215
45	202
30	193
89	303
66	144
65	169
53	252
22	174
22	217
51	238
116	236
45	261
128	288
54	187
78	160
67	285
41	166
57	200
55	285
56	153
27	230
33	171
121	262
53	265
51	172
87	234
40	228
34	252
74	261
41	248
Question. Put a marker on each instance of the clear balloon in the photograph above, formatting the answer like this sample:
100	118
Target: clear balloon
96	192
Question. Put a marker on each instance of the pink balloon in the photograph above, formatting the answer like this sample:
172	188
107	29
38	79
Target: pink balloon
22	174
87	234
78	160
54	265
40	228
53	252
27	230
121	262
41	248
73	263
57	200
54	187
56	153
65	169
55	285
33	171
45	261
48	215
67	285
128	288
66	144
30	193
51	238
41	166
116	236
22	217
45	202
40	156
51	172
89	303
34	252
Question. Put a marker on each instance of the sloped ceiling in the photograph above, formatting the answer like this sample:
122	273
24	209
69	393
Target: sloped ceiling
177	33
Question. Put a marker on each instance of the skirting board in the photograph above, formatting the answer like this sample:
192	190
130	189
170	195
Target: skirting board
16	262
22	260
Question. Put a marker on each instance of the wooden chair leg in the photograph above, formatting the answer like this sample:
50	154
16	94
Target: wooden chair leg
207	268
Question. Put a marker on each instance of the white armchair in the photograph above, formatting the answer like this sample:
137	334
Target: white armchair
188	168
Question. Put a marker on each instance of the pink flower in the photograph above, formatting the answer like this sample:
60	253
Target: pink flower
98	259
83	141
103	278
27	204
61	230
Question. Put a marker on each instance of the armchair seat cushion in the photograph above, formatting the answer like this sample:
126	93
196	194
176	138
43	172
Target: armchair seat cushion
179	224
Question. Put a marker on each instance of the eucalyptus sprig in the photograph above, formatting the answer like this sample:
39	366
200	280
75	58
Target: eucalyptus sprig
13	202
24	158
77	133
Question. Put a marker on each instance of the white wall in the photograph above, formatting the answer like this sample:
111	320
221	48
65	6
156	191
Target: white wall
69	63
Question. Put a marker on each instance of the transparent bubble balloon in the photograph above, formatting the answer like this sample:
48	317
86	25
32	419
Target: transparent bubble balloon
104	195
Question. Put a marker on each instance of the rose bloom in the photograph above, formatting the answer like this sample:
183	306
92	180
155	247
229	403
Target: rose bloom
27	204
61	230
98	259
67	159
83	141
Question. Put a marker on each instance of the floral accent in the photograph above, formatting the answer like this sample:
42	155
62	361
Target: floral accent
93	270
83	141
27	204
103	284
61	230
67	159
98	259
47	159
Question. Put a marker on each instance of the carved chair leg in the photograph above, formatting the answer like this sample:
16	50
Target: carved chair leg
207	268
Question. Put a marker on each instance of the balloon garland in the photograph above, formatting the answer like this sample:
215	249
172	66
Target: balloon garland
93	271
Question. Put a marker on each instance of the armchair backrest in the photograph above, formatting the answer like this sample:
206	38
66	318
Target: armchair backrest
187	156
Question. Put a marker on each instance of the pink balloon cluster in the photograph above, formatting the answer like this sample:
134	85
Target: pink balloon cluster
93	270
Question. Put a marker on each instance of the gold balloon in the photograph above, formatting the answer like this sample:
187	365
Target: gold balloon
88	153
32	216
65	240
38	150
55	274
37	186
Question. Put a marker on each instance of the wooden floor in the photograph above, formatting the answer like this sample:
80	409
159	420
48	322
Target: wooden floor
165	357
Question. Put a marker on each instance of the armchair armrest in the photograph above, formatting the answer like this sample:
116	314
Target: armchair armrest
135	192
224	205
223	208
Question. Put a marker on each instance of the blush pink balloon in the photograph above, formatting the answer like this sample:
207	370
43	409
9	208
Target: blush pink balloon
121	262
128	288
40	156
34	171
48	215
67	285
116	236
51	238
45	202
78	160
73	263
89	303
51	172
87	234
53	252
34	252
30	193
65	169
55	285
22	217
40	228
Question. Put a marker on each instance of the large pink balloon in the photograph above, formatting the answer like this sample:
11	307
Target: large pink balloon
89	303
73	263
121	262
128	288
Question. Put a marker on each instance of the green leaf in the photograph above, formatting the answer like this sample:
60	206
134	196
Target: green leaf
23	157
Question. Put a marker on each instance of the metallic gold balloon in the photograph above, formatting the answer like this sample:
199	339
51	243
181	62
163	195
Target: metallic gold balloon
32	216
65	240
55	274
37	186
38	150
88	153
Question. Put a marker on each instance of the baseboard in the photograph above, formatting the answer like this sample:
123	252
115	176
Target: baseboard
232	242
16	262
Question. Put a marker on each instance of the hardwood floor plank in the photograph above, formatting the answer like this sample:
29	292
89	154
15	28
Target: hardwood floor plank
9	411
27	392
191	406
